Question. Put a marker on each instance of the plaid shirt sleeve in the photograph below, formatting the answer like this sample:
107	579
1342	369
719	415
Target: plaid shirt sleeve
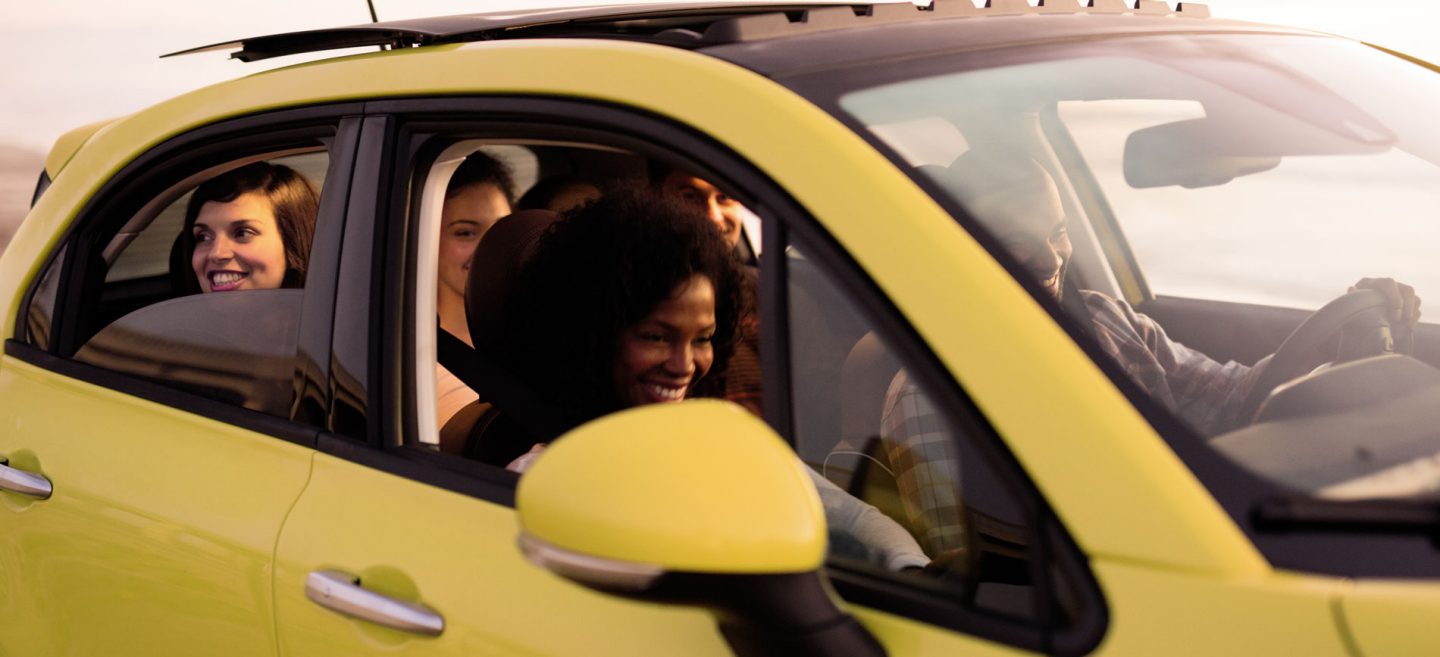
926	464
1204	393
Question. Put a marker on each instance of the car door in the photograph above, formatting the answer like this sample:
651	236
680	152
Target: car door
424	540
166	429
427	540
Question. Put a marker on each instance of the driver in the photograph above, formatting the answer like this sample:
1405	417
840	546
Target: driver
1018	202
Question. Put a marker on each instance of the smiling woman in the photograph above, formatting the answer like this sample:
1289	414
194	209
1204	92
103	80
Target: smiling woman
250	229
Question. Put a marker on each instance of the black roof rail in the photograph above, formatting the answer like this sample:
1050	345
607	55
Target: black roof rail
685	24
767	26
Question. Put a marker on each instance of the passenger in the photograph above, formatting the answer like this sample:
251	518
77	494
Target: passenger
249	229
1018	202
633	300
478	195
723	210
559	194
741	382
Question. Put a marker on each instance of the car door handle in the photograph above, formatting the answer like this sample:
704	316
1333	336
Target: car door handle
341	592
22	482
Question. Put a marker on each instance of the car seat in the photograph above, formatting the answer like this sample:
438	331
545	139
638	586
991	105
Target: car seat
495	265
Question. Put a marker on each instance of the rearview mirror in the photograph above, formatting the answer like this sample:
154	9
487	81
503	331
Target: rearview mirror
1185	153
1215	149
696	503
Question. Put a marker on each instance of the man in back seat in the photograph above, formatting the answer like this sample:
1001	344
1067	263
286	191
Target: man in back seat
741	382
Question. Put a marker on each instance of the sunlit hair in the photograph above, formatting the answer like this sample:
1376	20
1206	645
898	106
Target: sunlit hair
600	269
997	184
292	197
480	168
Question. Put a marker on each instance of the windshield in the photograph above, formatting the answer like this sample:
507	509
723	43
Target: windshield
1192	200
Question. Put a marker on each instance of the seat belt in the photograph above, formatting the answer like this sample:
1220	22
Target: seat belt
499	386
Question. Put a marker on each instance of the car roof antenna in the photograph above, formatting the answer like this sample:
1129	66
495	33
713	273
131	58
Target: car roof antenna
370	4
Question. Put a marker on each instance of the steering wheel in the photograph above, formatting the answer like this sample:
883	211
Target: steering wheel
1360	314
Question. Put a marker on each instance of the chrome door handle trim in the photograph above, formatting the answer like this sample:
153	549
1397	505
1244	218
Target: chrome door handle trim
24	483
341	592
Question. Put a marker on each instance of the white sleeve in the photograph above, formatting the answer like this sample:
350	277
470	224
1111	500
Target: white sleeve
887	542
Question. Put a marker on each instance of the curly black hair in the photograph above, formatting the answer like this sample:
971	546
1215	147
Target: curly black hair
602	268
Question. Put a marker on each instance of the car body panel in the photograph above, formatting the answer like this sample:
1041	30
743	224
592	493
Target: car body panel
1391	617
1201	614
66	146
905	637
160	532
457	555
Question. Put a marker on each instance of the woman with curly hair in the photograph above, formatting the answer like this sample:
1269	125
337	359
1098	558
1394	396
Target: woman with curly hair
634	300
629	300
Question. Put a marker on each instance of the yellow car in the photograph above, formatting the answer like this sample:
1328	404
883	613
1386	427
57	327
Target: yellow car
1038	284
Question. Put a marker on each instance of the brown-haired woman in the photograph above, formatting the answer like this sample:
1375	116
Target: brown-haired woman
250	229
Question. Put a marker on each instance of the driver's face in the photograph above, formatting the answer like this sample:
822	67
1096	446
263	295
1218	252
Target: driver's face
1034	230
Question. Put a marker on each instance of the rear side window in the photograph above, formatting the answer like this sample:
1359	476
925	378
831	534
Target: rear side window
190	271
205	295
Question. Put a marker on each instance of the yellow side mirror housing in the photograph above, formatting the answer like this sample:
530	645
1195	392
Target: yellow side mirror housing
698	487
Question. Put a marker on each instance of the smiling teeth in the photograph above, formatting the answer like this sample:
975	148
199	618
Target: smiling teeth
225	277
665	393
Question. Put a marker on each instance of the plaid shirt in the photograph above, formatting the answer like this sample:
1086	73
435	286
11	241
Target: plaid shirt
928	471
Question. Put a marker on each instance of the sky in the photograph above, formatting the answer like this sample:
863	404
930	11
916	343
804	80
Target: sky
67	63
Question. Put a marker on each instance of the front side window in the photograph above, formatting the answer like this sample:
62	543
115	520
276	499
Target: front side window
909	480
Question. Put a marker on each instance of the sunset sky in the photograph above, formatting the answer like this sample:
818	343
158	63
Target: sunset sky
77	61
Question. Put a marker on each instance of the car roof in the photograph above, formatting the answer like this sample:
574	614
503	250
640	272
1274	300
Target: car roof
693	25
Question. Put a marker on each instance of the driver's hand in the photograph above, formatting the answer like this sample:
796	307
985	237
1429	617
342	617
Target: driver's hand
1403	302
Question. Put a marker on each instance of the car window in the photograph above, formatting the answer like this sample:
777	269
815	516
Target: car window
470	185
1287	239
873	427
41	311
143	292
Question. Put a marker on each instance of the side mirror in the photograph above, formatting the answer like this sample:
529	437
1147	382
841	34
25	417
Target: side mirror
696	503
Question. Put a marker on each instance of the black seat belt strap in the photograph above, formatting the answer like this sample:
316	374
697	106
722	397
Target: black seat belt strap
499	386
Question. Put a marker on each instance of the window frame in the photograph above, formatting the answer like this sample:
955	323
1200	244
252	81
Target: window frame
141	180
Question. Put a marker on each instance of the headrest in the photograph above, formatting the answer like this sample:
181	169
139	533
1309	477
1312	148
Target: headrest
182	274
502	252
